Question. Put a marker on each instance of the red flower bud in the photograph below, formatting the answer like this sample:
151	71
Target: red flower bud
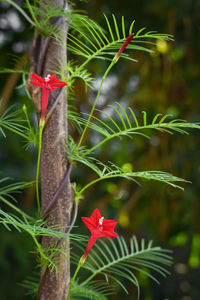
124	45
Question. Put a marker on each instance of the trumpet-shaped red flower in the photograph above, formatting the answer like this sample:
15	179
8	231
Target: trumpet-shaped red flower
124	45
99	227
49	83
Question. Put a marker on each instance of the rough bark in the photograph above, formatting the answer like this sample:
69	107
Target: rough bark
54	158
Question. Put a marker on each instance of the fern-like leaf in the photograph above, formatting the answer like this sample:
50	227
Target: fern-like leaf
47	256
116	260
8	189
12	121
7	70
90	41
31	285
34	228
125	123
97	290
75	72
110	171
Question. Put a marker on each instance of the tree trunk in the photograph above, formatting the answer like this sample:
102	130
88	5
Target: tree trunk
54	158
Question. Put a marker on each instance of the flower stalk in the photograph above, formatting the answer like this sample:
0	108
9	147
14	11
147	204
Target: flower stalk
41	127
113	62
49	83
94	104
99	227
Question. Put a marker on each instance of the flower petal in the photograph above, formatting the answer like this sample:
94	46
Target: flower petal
37	77
108	228
89	223
37	80
110	234
45	100
96	216
91	242
55	83
109	223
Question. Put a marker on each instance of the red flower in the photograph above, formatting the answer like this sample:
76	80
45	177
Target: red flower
98	227
49	83
124	45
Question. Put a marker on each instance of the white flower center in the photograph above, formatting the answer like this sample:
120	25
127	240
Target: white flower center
101	221
47	78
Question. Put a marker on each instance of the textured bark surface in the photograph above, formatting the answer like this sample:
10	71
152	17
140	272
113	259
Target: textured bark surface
54	159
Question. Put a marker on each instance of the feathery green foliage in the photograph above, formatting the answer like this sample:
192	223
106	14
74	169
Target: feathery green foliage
11	120
125	123
90	41
73	71
31	285
116	260
7	70
94	290
37	228
9	189
104	171
113	259
21	11
34	228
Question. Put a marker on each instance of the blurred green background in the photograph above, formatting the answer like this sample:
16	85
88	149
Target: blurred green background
165	82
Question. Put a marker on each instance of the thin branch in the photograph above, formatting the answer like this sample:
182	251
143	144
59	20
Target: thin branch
22	12
68	230
59	190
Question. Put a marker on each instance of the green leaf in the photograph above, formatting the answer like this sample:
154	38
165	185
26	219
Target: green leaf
11	120
117	260
89	40
96	290
130	125
9	189
105	171
31	285
75	72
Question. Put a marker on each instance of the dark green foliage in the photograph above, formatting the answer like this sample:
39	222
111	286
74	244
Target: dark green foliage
168	83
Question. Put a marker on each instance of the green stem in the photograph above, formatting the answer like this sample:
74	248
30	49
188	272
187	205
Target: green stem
97	53
27	118
38	167
15	131
32	14
95	181
37	244
15	208
154	126
21	11
74	277
95	102
39	247
98	145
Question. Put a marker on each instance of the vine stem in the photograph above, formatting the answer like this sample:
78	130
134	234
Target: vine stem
32	14
41	127
74	277
21	11
113	62
117	134
27	118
